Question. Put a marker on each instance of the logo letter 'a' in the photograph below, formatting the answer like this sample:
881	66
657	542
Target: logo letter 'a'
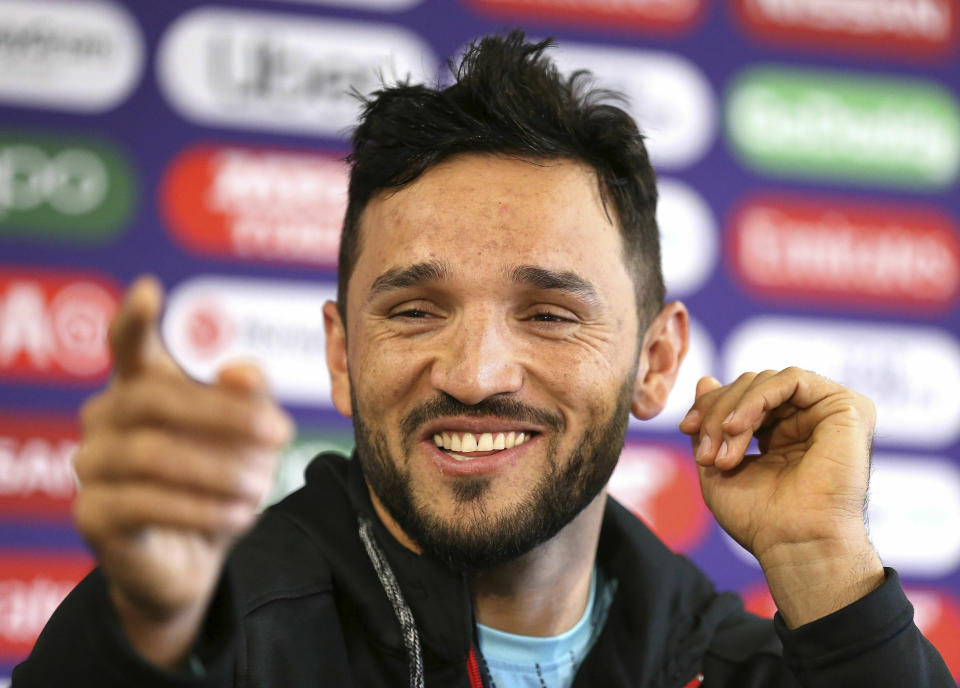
24	326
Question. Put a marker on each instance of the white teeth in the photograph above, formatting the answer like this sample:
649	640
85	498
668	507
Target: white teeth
469	442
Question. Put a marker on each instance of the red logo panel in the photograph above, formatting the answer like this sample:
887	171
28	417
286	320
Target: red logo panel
36	466
937	613
657	15
846	253
659	484
909	28
32	585
53	326
263	205
757	600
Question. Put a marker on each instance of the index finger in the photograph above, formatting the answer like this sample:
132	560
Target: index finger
779	395
134	337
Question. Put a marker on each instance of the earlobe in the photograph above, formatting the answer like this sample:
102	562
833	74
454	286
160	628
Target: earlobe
665	344
336	345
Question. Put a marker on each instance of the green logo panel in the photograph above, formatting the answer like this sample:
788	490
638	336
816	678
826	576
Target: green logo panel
296	457
63	187
842	126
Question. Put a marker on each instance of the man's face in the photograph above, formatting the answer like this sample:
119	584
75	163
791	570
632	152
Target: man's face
490	306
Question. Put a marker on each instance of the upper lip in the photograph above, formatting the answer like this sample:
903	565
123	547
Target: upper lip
475	425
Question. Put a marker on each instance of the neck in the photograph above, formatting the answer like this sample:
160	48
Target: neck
544	592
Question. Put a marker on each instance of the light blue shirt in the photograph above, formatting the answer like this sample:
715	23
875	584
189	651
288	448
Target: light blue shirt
521	661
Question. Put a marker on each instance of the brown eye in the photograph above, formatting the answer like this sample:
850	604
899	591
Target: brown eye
414	313
549	318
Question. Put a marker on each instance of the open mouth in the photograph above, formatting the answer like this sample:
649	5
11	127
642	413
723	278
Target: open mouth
466	446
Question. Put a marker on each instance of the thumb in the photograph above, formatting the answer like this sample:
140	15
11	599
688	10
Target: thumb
707	384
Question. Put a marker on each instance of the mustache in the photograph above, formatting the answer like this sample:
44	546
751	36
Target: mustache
493	407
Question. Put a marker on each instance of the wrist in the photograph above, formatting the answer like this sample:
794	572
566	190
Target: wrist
813	579
163	638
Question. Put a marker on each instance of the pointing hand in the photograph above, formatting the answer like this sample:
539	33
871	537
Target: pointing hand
172	472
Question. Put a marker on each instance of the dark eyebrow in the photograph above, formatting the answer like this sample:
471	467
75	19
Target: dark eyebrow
410	276
542	278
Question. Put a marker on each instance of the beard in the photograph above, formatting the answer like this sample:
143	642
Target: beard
473	539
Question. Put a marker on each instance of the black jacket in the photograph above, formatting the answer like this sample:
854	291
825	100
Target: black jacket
302	605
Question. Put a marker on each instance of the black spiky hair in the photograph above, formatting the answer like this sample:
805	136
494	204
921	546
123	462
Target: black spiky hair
509	97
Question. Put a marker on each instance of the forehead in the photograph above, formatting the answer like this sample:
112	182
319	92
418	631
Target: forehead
482	214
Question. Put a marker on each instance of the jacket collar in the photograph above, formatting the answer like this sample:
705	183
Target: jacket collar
662	619
439	598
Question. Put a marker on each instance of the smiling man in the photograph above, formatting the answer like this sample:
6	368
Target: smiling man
500	314
459	277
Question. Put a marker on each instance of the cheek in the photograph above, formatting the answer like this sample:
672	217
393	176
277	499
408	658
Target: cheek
589	366
586	388
383	375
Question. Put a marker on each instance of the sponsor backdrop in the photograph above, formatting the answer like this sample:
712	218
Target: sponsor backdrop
808	153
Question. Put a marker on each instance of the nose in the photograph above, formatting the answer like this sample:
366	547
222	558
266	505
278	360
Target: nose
478	359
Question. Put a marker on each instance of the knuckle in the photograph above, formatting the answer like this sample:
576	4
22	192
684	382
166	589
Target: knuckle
92	457
148	455
231	478
219	410
850	409
83	458
286	421
260	414
239	517
864	407
248	415
143	451
81	514
92	410
145	398
87	412
227	518
85	515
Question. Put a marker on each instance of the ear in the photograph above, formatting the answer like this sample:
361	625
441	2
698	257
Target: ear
336	341
664	346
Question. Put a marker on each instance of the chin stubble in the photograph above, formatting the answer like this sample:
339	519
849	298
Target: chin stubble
473	539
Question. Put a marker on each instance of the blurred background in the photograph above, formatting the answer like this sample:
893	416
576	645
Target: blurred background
808	153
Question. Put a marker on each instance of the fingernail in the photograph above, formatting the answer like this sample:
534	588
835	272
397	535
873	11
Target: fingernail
729	418
722	452
704	447
692	415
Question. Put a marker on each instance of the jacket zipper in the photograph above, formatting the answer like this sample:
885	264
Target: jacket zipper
473	670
